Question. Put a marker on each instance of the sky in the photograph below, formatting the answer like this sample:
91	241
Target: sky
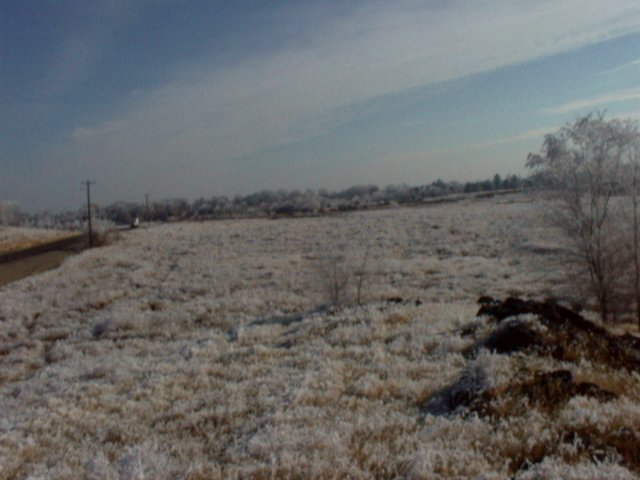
198	98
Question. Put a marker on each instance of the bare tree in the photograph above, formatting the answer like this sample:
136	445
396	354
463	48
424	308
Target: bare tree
335	274
361	274
342	268
585	163
633	165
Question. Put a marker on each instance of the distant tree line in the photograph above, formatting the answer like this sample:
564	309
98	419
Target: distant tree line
269	203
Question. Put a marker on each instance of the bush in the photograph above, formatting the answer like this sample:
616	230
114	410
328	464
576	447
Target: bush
102	233
344	277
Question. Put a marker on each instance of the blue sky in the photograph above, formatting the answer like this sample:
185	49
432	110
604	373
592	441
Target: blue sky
202	98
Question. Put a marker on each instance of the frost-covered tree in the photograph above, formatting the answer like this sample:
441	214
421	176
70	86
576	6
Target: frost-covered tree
9	213
632	177
586	164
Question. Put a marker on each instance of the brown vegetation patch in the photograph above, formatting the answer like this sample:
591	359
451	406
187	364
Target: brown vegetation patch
546	391
621	446
563	335
24	238
53	335
7	348
398	318
624	443
570	336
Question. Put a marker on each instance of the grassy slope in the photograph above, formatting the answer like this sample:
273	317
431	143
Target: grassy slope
16	238
146	356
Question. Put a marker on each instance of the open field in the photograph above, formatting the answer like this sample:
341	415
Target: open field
207	350
18	238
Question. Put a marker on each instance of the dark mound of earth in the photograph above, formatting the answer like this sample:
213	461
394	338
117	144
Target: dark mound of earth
570	336
561	334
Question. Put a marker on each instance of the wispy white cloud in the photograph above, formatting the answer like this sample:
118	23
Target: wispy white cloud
469	161
620	68
629	115
614	97
520	138
378	50
206	117
536	133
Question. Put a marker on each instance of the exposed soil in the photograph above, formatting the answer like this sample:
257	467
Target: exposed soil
569	338
570	335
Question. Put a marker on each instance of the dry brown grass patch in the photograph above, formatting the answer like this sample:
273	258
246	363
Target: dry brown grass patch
399	318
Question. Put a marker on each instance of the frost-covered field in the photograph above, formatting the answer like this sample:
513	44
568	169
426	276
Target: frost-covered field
202	351
16	238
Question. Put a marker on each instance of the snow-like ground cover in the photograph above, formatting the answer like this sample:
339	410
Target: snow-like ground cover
199	350
17	238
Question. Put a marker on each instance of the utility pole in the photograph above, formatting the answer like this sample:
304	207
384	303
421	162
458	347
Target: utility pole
88	183
146	211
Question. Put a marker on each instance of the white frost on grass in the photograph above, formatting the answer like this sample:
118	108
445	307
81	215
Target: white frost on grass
197	351
552	468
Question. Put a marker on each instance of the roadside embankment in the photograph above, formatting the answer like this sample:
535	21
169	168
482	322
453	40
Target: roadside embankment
17	264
